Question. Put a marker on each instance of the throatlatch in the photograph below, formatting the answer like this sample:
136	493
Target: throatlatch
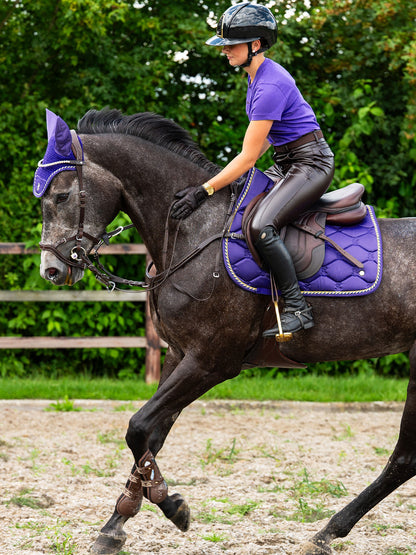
145	479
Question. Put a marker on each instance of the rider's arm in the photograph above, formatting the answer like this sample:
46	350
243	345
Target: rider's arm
266	146
254	145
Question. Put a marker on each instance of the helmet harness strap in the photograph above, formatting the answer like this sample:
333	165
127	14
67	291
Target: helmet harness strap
251	54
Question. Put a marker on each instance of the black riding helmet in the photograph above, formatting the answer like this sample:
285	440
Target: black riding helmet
245	23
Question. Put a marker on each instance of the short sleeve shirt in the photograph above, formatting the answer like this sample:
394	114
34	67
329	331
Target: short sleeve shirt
273	95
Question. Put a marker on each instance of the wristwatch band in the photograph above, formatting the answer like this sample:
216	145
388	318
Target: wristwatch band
208	188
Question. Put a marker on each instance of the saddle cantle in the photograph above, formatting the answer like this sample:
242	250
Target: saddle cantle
336	245
343	206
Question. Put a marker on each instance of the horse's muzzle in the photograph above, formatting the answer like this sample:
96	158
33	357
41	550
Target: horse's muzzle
54	270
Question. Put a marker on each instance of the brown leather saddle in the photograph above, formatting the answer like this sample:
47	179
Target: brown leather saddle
305	238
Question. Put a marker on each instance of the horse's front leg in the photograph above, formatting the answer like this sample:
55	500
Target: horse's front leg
400	468
187	382
112	536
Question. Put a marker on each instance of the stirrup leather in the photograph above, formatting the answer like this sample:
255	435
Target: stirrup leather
304	317
281	336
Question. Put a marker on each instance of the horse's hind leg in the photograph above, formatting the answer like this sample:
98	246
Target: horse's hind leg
400	468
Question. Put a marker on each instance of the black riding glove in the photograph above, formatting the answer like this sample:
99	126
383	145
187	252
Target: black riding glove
189	199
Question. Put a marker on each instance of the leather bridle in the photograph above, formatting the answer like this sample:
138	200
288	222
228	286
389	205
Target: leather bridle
80	259
77	251
78	256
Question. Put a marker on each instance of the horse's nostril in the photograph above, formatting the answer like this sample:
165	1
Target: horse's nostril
52	272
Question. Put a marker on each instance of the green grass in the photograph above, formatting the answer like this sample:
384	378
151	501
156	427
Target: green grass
24	499
359	388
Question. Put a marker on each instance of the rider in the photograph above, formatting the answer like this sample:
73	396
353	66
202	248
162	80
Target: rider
278	116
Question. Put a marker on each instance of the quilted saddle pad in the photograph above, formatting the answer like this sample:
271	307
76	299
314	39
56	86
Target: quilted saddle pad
337	277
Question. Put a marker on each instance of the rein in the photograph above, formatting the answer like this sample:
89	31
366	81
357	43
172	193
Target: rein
80	259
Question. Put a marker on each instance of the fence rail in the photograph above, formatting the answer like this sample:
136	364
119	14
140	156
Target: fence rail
151	341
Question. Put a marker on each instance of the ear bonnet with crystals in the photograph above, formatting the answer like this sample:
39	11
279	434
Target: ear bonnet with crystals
58	156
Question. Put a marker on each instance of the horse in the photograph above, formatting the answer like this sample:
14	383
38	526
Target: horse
136	164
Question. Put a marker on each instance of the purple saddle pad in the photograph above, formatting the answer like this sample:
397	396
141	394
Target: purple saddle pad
336	278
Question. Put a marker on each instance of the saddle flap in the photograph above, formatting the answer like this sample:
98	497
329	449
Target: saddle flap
246	227
307	251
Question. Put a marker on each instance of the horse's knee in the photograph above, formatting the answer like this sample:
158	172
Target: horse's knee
136	432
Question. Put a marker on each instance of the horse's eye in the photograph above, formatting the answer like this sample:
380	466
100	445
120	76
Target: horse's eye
61	197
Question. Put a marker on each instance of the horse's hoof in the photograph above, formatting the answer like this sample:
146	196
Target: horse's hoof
310	548
106	544
182	517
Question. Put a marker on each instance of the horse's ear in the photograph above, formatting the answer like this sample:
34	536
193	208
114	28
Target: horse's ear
60	131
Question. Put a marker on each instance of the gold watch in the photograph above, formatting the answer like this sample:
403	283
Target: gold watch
208	188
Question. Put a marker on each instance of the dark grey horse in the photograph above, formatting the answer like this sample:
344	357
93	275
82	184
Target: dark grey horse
136	164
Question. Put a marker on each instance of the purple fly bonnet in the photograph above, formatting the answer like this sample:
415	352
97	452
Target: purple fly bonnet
58	156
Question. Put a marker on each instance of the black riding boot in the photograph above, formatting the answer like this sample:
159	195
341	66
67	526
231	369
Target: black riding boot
297	313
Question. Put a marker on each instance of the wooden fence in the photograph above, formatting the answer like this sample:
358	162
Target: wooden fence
151	341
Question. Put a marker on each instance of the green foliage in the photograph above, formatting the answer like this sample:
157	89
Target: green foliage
310	512
212	455
313	488
363	58
336	389
355	62
66	405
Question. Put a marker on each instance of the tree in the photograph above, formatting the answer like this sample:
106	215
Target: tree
361	58
355	63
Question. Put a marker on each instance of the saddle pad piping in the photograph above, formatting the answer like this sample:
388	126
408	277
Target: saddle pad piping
230	269
376	282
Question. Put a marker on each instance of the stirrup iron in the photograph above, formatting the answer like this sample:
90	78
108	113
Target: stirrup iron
282	336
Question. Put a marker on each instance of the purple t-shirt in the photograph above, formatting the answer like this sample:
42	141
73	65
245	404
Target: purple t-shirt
273	95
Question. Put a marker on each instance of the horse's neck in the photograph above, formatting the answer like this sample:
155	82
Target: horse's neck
169	240
149	182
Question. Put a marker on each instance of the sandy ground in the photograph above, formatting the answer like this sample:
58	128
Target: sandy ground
260	478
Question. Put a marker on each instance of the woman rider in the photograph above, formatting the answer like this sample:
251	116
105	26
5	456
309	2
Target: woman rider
278	116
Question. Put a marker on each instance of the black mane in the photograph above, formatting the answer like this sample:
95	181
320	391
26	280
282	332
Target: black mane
148	126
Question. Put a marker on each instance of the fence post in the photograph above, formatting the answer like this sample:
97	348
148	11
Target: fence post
153	345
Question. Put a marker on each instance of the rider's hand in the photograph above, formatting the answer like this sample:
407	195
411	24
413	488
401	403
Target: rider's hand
189	199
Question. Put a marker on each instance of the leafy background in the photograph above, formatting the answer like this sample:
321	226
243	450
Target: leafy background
355	62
